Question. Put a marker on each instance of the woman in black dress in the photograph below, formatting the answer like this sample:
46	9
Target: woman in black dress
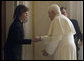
15	39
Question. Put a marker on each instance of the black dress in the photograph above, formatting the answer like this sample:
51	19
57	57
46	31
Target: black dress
13	46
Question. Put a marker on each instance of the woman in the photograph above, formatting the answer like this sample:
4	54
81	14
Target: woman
13	46
59	41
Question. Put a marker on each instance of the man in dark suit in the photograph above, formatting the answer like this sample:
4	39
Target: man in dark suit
78	36
13	46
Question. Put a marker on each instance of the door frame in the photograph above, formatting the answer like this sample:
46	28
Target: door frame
3	27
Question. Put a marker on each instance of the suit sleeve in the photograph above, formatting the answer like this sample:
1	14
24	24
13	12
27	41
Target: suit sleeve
78	32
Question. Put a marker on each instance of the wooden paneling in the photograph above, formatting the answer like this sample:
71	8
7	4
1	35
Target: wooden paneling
3	28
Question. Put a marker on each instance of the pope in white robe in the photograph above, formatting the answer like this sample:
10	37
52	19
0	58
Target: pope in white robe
60	39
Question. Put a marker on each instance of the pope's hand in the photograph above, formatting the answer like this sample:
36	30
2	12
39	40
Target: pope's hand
44	53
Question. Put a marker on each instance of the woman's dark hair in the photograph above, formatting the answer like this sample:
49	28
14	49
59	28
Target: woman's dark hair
19	10
61	8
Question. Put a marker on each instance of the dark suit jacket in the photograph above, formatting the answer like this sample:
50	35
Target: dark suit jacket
78	34
13	46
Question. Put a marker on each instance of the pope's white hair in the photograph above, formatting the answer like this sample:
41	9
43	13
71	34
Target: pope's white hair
55	8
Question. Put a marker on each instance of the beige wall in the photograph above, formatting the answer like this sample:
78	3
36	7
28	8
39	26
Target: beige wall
76	12
9	14
42	23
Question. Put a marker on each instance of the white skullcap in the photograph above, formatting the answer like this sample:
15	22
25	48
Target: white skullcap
55	8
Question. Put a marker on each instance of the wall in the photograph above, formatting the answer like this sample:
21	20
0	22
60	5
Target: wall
76	12
9	14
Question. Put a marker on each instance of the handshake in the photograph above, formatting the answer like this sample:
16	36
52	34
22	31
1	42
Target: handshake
37	39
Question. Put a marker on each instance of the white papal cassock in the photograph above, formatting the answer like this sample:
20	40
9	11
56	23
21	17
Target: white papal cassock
60	39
